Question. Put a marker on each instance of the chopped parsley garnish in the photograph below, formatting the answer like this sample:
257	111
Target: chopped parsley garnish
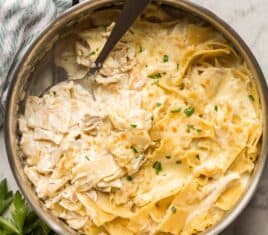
157	166
175	110
155	76
158	104
189	111
165	58
129	178
168	157
134	149
86	157
251	97
178	162
197	156
178	66
216	108
141	49
181	86
92	53
133	125
173	209
189	128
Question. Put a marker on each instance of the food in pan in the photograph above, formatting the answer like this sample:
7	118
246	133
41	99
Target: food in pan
170	143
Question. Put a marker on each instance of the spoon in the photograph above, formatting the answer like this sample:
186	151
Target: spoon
132	9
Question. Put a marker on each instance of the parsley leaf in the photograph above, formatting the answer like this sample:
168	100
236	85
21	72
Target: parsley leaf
173	209
175	110
157	166
189	111
129	178
30	222
189	128
133	125
19	211
92	53
8	227
251	97
33	225
23	221
155	76
134	149
5	196
165	58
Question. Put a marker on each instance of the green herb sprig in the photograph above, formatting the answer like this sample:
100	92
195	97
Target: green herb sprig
157	166
134	149
189	111
165	58
155	76
251	97
173	209
22	221
175	110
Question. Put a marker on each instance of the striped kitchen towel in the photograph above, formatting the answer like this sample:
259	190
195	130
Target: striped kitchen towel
20	22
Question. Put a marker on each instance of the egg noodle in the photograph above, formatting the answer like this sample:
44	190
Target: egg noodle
168	146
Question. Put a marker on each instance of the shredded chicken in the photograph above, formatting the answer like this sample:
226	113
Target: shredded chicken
167	147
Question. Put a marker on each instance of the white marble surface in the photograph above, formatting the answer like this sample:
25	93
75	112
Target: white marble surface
250	19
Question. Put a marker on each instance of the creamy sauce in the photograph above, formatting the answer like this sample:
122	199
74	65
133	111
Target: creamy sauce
172	137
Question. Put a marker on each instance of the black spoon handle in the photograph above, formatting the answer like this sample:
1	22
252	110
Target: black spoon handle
132	9
75	2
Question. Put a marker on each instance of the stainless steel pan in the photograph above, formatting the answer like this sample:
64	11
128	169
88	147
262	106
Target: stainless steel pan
29	77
